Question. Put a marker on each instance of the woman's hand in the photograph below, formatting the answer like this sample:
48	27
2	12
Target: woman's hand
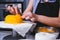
29	16
34	18
13	10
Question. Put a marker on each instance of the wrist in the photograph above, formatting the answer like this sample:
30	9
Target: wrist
37	17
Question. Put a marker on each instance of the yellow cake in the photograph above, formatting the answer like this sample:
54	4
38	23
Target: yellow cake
13	19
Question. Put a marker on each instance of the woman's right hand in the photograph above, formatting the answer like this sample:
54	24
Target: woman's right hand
13	10
29	16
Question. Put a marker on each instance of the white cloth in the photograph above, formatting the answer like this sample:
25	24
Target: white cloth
21	29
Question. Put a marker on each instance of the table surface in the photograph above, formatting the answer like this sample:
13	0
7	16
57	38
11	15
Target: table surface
4	33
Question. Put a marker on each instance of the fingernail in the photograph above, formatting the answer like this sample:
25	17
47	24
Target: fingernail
27	17
32	19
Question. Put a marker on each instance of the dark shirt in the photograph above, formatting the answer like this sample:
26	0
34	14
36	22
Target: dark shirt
49	9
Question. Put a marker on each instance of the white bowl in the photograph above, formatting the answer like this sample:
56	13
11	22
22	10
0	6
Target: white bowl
46	36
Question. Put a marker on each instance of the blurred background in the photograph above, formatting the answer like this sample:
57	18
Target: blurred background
4	3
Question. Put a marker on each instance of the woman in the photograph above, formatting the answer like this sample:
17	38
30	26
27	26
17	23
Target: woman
44	12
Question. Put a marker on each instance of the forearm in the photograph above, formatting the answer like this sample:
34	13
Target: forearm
51	21
29	7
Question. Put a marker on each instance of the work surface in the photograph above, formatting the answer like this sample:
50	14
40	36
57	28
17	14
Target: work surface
4	33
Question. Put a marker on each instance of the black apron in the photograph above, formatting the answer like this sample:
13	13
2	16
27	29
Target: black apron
49	9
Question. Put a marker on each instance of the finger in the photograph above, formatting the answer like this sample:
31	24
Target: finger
27	18
12	10
26	15
8	8
32	19
23	16
16	10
